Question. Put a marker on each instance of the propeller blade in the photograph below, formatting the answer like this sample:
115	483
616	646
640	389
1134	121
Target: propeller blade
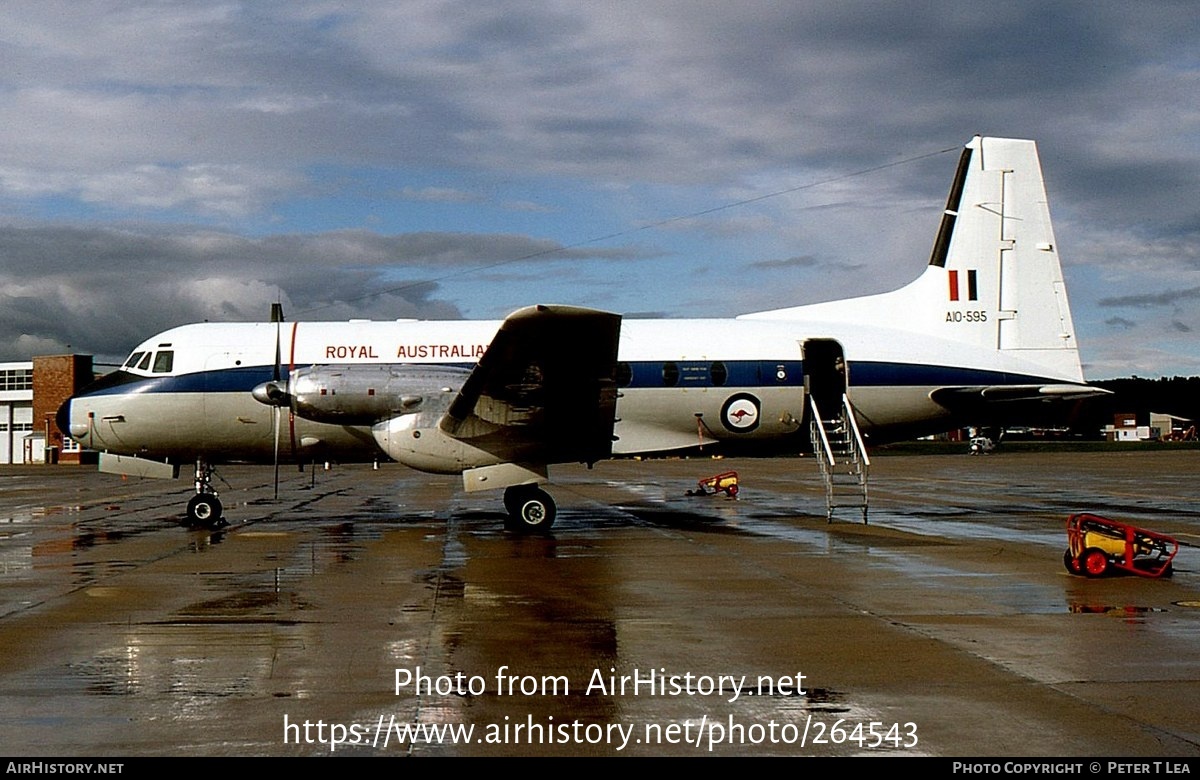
277	318
273	387
276	426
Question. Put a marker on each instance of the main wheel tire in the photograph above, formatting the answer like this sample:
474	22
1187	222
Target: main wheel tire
512	495
204	509
531	511
1094	562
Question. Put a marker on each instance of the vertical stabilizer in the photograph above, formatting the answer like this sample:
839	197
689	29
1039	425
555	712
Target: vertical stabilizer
1002	253
994	279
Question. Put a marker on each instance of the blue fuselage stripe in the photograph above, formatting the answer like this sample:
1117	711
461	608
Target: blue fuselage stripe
738	374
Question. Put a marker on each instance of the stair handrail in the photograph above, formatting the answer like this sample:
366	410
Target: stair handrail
816	416
858	439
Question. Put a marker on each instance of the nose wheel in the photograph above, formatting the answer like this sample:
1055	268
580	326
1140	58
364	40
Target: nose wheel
205	508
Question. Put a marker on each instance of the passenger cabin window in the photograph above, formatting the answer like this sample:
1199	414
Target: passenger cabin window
163	361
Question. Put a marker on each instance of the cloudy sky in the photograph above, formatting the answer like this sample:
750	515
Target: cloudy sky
166	162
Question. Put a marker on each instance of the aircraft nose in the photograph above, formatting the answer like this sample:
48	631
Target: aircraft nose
63	418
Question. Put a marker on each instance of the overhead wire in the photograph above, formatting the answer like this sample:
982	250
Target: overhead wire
632	230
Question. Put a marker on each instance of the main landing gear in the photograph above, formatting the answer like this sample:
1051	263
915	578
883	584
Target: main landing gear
531	510
205	508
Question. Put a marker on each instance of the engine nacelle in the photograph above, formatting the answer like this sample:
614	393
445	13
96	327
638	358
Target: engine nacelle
416	441
367	394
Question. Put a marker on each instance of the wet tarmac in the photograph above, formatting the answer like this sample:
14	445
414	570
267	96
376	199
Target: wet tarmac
388	612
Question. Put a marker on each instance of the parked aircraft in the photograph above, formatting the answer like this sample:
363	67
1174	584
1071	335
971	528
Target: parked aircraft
986	325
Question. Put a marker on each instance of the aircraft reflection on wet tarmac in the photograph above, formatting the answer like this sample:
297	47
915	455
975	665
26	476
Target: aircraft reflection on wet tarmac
125	634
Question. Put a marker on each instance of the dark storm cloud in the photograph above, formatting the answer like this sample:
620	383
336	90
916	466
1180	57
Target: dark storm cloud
102	290
668	92
1152	300
804	261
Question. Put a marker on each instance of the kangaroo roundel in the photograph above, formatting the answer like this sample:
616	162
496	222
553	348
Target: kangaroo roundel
740	413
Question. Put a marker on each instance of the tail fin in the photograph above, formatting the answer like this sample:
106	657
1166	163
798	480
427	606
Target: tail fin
994	278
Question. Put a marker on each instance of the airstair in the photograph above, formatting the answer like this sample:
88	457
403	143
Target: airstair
842	457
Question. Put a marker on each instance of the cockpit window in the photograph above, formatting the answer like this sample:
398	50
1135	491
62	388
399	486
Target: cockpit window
144	363
133	359
163	361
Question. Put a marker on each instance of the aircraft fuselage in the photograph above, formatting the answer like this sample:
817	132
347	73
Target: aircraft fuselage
682	383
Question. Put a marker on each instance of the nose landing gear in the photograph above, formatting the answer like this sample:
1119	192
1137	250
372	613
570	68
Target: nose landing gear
204	510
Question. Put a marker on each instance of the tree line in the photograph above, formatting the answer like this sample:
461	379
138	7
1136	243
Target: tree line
1177	395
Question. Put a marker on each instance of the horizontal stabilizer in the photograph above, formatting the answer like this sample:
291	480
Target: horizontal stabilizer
953	397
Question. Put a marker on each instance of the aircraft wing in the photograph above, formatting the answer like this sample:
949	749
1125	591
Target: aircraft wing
545	389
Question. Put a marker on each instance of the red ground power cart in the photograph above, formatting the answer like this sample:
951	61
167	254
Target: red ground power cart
1098	546
726	483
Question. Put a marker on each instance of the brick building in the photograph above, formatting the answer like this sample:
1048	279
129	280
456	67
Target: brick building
30	394
55	379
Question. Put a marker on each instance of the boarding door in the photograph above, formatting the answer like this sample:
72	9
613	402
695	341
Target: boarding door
825	378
